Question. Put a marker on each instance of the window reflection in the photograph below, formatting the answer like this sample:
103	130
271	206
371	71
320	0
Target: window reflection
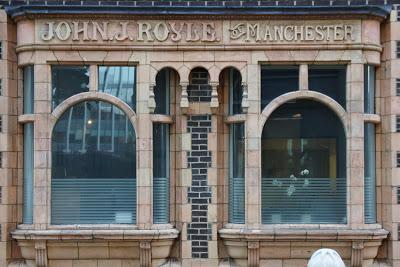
276	81
119	81
93	166
329	80
68	81
303	166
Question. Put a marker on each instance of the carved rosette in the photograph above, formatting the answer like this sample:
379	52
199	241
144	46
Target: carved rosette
41	253
184	104
245	98
214	103
357	256
145	254
151	104
253	254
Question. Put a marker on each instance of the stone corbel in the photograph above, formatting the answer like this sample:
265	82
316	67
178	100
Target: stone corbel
245	98
184	97
253	253
41	253
357	256
145	254
214	103
151	104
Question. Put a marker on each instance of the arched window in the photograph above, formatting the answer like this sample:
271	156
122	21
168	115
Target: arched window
161	148
303	165
93	166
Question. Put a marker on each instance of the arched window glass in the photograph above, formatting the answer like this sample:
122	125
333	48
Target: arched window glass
119	81
235	92
276	81
303	165
93	166
67	81
161	148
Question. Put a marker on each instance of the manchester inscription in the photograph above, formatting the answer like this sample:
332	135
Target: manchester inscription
206	32
267	33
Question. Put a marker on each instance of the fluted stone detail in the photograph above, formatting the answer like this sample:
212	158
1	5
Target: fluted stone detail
41	253
184	104
245	98
152	101
253	254
357	256
214	103
145	254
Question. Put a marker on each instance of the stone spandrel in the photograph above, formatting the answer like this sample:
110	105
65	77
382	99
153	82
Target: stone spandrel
196	32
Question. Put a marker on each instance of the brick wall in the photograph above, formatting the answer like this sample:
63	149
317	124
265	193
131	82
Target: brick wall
199	194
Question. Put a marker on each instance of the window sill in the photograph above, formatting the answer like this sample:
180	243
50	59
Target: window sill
250	246
304	232
112	233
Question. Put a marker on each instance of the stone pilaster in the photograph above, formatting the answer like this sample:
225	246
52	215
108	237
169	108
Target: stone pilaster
41	253
151	102
214	104
245	100
253	254
357	254
184	103
145	254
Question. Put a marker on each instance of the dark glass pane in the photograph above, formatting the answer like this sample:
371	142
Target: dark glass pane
236	176
236	91
68	81
369	89
329	80
161	92
369	174
276	81
161	173
119	81
28	89
303	166
93	166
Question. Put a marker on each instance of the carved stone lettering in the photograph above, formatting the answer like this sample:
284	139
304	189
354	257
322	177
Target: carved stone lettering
259	32
195	32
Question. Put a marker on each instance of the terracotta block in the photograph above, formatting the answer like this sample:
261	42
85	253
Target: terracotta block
108	263
130	263
60	263
271	263
84	263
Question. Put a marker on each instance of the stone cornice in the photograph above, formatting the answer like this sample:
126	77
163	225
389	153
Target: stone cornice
86	234
186	12
164	47
303	234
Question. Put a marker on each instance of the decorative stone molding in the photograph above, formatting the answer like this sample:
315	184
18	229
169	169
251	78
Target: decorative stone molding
145	254
135	244
245	96
41	253
151	104
214	103
241	244
357	255
87	96
305	94
253	253
303	77
184	104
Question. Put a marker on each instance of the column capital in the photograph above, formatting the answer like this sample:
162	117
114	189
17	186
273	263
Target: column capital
151	104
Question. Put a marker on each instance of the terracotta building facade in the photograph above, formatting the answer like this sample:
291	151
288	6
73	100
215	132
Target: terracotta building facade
199	133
